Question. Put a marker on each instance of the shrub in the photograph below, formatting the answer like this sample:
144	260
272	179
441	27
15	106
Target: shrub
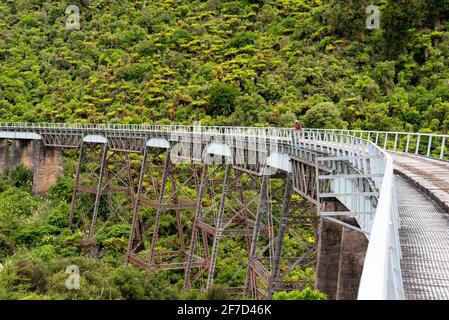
139	284
21	176
222	99
32	274
217	292
46	252
243	39
62	189
323	115
306	294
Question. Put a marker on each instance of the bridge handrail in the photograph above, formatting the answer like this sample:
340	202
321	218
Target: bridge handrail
431	145
402	140
381	276
223	130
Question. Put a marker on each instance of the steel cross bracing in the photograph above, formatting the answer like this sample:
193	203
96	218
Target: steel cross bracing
232	179
103	189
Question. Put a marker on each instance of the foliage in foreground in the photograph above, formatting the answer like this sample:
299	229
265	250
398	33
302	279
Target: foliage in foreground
36	247
306	294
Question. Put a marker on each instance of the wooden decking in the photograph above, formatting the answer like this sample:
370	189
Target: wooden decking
428	175
424	226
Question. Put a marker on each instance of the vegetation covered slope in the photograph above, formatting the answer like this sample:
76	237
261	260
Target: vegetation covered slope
227	62
222	62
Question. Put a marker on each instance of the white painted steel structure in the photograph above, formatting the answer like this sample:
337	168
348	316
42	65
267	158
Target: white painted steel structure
361	174
381	277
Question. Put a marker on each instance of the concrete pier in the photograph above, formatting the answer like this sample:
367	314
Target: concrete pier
4	155
45	162
47	168
341	254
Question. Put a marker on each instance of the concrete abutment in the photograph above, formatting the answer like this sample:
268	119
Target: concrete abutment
340	258
45	162
48	166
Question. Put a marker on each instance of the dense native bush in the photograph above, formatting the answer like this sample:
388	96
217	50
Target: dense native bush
306	294
325	115
222	98
21	177
232	62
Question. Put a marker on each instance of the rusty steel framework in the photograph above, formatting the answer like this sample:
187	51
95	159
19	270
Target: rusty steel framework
103	188
168	189
227	209
208	205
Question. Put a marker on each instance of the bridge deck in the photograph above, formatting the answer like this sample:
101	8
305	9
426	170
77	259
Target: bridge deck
424	239
429	175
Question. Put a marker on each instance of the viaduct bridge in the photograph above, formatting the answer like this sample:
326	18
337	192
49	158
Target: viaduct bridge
365	210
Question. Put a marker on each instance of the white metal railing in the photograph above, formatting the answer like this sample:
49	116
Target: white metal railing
381	277
268	132
424	144
364	150
430	145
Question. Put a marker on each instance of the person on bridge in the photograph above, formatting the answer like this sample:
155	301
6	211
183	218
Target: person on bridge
296	132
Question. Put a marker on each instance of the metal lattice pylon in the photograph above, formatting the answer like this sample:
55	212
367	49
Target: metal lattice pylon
103	191
226	209
298	222
168	189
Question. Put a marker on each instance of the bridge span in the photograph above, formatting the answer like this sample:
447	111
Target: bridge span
318	199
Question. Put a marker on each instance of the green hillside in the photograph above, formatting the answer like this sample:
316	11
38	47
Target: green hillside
226	62
220	62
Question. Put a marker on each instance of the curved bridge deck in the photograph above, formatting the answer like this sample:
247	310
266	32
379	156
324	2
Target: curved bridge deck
429	175
424	226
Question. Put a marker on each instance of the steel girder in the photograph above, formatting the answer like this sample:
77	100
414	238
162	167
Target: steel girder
103	189
167	189
226	213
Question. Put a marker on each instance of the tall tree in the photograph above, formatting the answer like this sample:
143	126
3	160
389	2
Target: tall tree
398	18
348	17
437	12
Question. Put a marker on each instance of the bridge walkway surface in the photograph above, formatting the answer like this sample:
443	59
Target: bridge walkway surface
424	226
429	175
